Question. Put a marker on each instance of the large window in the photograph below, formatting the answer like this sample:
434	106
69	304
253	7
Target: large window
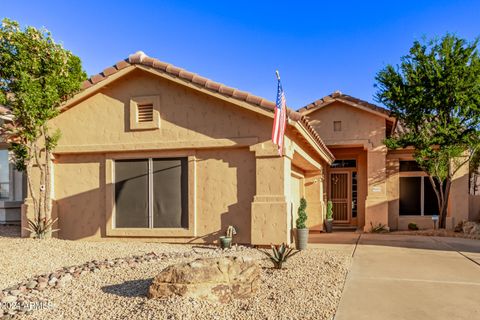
4	175
417	196
151	193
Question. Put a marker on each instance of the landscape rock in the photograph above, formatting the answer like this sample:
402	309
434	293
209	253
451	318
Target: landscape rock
31	284
214	279
9	299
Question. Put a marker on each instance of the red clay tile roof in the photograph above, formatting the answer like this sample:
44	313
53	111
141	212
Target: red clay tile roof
337	95
140	58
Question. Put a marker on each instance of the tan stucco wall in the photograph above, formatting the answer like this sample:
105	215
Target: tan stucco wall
235	174
358	127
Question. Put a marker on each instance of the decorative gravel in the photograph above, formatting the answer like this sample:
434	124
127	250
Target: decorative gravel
309	288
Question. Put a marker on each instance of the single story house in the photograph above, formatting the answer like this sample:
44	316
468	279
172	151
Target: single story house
150	150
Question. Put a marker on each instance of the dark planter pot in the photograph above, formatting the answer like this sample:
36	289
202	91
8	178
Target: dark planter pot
329	225
302	239
225	242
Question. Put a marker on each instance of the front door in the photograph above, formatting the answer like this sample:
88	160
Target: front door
340	197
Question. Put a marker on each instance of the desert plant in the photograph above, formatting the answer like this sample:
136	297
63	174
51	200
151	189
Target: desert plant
40	228
231	231
329	210
378	228
280	254
302	214
412	226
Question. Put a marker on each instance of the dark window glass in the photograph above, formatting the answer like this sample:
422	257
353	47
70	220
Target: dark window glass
410	194
344	164
131	193
170	190
430	198
409	166
354	194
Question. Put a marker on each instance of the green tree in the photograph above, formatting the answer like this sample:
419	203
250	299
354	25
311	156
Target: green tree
435	95
36	76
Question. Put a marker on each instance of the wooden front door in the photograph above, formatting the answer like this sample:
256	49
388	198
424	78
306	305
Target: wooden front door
340	197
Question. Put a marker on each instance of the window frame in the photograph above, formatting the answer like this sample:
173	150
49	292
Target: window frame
111	230
424	177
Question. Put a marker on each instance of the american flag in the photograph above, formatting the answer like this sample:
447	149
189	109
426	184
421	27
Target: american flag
280	119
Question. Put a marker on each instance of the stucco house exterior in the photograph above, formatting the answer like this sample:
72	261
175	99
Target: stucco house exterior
150	150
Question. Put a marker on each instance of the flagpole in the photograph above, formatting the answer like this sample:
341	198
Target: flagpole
278	75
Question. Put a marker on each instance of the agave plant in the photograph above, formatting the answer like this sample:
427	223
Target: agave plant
41	227
280	254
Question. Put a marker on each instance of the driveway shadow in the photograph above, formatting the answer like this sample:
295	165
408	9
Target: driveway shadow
129	289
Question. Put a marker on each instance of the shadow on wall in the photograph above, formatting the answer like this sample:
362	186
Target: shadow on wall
224	193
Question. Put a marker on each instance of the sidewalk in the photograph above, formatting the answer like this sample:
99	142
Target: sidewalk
412	277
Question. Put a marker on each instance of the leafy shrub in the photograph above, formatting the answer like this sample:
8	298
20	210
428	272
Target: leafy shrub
412	226
329	210
302	214
280	254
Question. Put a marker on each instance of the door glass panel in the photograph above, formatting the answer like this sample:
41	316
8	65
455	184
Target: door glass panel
410	195
170	190
354	194
131	193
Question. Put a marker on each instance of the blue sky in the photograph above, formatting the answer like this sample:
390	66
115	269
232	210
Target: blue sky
318	46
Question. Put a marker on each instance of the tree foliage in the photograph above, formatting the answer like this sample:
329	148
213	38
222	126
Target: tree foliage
36	76
435	95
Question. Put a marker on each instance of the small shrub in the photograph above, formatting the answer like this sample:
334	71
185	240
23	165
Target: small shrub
329	210
302	214
412	226
379	228
40	227
280	254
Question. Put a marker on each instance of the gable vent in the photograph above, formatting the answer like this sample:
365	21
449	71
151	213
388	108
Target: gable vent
145	112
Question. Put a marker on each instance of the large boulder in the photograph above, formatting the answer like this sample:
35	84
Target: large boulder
215	279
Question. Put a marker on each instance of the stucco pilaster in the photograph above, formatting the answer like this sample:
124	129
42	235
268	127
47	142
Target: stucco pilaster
376	204
271	203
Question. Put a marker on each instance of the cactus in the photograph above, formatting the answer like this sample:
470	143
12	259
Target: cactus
280	254
302	215
329	210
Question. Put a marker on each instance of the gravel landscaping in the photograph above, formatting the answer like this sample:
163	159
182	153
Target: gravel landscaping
309	288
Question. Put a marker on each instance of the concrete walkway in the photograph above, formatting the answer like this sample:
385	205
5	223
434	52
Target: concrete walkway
410	277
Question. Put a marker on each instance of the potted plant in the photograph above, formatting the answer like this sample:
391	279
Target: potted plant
302	230
329	220
226	240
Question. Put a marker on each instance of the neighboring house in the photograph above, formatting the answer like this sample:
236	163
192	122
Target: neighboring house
369	184
149	150
12	191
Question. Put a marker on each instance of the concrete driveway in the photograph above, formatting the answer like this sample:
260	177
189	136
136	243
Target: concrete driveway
410	277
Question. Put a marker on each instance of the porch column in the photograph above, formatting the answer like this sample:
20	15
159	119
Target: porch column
376	204
271	203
